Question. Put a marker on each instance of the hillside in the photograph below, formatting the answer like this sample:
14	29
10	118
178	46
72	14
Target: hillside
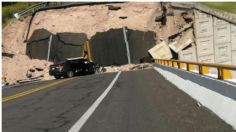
82	19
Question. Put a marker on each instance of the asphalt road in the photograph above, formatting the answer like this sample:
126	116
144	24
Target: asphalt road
139	101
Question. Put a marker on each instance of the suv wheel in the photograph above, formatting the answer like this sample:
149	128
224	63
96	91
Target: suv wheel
91	69
57	77
70	74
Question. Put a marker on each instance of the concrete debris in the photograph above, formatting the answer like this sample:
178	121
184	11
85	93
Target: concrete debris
35	74
161	51
31	70
141	66
160	18
147	59
123	17
28	80
21	67
115	8
199	104
128	67
187	17
184	28
4	81
7	54
39	69
177	46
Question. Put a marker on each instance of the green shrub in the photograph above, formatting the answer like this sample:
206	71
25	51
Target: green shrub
224	6
10	8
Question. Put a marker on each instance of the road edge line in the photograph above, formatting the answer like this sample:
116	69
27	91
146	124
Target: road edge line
83	119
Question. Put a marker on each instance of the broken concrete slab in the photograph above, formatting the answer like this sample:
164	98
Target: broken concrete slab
177	46
161	51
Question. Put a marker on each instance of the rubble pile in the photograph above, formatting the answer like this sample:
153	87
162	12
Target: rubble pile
174	28
176	34
21	69
128	67
81	19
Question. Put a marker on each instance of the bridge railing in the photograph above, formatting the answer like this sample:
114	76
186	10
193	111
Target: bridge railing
223	71
40	5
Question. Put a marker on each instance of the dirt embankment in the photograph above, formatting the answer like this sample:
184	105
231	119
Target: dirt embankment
98	18
83	19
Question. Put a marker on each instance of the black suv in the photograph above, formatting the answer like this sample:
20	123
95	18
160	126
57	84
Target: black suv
72	67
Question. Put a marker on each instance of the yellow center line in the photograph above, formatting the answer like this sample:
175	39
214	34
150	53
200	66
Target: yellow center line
33	90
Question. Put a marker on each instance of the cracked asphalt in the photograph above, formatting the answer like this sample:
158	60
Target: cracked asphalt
140	101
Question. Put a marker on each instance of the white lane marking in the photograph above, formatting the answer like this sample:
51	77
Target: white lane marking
205	76
79	124
222	106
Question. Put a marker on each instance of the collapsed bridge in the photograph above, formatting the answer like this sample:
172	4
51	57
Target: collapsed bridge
107	48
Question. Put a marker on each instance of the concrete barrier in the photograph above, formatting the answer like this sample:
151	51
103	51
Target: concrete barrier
217	97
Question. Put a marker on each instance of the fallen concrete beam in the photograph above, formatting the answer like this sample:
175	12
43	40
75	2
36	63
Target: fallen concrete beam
177	46
161	51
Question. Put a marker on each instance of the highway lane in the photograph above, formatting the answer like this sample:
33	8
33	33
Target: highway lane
140	101
54	109
143	101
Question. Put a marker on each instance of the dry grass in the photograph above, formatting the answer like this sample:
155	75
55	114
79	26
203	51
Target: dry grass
224	6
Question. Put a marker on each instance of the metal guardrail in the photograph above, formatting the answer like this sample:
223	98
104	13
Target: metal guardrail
224	71
41	5
29	10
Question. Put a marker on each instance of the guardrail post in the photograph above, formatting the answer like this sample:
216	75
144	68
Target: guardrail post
220	73
178	64
187	65
169	63
200	69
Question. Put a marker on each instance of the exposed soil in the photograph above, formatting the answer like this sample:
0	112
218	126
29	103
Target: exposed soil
84	19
